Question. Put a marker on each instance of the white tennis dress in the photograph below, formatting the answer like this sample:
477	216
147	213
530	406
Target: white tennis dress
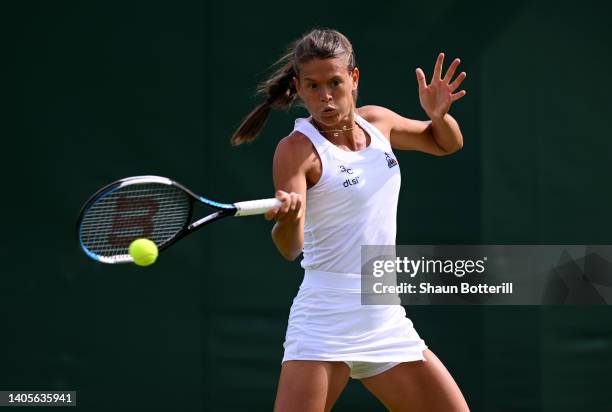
354	203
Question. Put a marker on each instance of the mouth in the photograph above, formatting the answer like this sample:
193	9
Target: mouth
328	111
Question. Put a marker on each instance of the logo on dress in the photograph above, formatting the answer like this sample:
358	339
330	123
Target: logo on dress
344	169
350	181
391	162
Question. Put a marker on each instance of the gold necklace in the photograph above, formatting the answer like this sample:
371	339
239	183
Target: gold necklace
335	132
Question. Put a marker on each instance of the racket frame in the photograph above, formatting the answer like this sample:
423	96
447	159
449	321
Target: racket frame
222	210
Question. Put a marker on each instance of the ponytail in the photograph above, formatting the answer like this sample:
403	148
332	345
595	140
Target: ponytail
280	93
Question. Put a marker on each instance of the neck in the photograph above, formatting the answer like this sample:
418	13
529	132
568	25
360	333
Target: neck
345	134
345	126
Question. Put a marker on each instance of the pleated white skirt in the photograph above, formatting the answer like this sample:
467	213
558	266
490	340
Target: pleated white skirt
328	322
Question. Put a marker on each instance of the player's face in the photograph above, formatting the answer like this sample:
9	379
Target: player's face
326	87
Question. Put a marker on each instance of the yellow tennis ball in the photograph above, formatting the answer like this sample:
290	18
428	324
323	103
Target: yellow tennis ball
143	251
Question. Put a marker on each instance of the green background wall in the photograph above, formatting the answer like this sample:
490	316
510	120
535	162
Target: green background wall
97	91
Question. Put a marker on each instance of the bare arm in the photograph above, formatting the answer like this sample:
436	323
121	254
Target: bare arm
439	138
440	135
289	170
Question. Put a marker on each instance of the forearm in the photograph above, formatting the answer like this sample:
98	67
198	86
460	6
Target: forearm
447	133
288	238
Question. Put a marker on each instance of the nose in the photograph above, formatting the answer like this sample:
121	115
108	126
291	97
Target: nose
326	95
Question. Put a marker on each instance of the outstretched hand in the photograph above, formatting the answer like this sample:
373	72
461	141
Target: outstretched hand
437	97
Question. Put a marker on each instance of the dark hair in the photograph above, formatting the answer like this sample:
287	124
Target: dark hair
279	89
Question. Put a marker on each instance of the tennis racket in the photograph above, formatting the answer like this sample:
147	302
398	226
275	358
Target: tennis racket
151	207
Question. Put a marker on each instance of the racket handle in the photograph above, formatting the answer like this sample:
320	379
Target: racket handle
255	207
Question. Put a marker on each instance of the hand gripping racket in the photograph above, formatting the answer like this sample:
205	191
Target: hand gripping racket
149	207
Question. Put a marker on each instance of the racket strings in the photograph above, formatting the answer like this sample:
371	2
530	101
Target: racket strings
146	210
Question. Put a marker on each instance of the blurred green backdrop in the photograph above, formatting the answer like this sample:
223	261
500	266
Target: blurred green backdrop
97	91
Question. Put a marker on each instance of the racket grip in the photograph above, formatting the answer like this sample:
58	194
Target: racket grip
256	207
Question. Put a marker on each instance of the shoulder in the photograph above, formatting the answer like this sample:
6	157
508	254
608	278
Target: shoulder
296	156
374	113
391	122
296	149
379	116
296	143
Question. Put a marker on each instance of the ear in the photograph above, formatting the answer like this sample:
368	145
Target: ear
296	84
355	77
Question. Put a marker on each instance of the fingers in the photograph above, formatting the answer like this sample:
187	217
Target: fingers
439	84
290	208
270	214
457	82
451	71
421	78
457	96
437	74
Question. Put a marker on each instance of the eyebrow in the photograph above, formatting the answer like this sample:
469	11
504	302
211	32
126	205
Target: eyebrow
335	76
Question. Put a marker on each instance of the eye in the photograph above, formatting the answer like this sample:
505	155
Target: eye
312	86
335	82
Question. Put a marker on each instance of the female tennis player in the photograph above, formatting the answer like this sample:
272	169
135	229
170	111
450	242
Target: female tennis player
339	181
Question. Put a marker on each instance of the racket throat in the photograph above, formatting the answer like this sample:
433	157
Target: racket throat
208	219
